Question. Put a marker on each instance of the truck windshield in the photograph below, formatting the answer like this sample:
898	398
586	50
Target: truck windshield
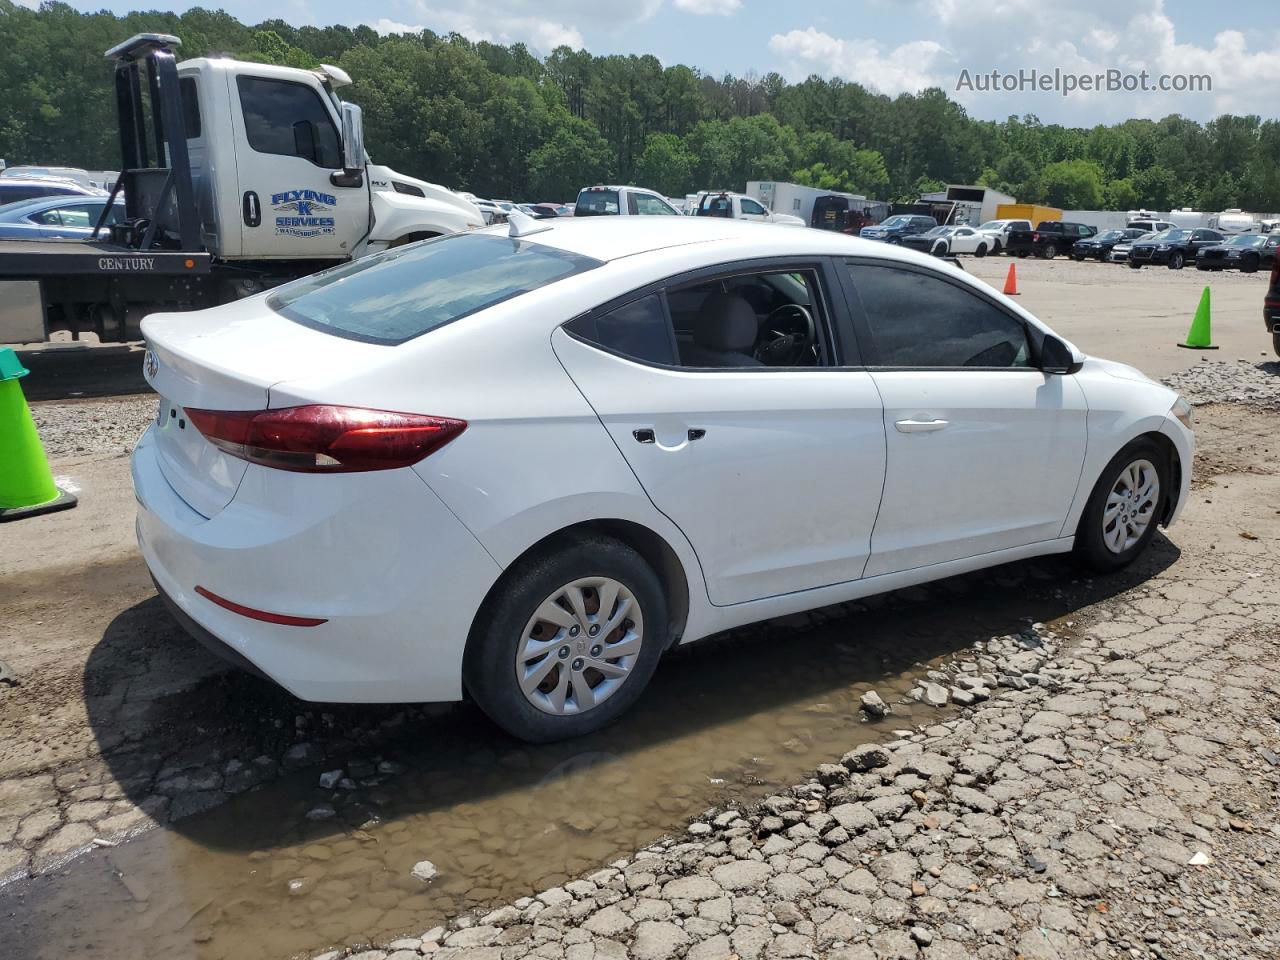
406	292
596	203
898	221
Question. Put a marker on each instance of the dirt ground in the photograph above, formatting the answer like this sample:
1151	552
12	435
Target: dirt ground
111	701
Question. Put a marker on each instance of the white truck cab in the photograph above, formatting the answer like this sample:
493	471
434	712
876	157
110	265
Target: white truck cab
738	206
270	148
607	201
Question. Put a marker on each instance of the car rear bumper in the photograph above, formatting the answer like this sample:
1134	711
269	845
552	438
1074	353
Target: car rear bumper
393	574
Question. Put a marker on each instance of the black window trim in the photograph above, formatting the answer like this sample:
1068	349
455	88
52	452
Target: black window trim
862	330
325	108
840	344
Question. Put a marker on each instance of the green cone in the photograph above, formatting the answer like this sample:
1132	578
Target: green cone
1198	337
26	483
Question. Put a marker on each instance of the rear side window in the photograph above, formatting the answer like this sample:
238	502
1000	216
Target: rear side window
289	119
190	106
637	330
404	293
596	203
917	319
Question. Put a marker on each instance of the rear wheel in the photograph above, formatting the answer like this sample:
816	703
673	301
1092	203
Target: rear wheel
568	641
1124	508
1050	251
981	251
1176	260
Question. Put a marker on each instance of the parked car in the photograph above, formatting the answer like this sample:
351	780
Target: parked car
1100	247
624	201
1120	252
1246	252
64	217
998	232
13	189
550	595
1048	239
1151	226
948	241
738	206
545	210
1173	248
1271	307
898	227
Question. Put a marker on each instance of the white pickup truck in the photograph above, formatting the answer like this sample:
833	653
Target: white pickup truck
738	206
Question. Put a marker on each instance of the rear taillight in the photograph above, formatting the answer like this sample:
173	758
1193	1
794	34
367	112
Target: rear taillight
325	439
1035	238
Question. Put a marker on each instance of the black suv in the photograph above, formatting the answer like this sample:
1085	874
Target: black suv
1049	239
1175	248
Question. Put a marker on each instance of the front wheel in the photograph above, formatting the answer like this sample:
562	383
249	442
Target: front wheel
567	642
939	250
1249	264
1176	260
1134	265
1124	508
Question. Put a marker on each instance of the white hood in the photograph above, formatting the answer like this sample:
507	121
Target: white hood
381	178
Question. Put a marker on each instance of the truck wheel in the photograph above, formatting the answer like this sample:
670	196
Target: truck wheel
1126	504
981	251
567	641
1050	252
1275	343
1249	264
1176	260
1021	254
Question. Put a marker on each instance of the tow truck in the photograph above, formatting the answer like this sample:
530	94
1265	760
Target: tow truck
236	177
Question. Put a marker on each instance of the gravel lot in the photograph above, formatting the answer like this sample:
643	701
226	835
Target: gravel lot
82	428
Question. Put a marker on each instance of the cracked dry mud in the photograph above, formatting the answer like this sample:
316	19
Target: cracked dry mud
1111	794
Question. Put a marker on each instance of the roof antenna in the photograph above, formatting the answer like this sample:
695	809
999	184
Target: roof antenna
523	225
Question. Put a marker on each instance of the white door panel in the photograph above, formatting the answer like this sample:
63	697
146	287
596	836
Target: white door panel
777	493
978	461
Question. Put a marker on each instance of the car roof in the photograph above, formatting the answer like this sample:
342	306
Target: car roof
611	238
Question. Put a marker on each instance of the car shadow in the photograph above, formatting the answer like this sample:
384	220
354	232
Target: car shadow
185	738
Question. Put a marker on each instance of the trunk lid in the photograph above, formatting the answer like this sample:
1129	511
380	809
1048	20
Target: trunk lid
227	358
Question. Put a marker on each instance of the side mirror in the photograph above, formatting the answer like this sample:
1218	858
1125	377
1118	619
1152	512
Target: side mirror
352	174
1056	357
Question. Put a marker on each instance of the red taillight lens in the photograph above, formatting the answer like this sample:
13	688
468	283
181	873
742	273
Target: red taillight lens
1035	238
326	439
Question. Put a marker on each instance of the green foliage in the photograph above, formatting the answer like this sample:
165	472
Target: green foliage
502	122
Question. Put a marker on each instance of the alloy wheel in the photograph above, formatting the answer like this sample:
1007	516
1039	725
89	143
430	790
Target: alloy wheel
1131	506
580	646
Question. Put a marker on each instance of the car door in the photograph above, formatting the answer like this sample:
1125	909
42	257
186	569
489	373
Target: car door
288	146
752	210
773	474
964	240
984	449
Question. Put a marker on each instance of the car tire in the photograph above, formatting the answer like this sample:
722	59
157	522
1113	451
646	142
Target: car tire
981	251
997	249
1275	343
1108	543
1249	264
1050	251
1134	265
1021	254
1176	260
505	636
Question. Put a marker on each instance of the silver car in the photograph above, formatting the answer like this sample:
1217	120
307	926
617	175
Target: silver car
65	217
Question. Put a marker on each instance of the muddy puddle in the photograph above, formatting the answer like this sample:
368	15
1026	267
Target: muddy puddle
728	718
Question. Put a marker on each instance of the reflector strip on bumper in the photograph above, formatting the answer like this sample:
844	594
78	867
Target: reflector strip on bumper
262	615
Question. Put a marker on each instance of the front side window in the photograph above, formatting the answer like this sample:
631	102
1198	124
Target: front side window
753	208
919	319
288	119
646	206
190	106
406	292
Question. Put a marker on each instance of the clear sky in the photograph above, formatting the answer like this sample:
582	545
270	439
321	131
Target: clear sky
889	45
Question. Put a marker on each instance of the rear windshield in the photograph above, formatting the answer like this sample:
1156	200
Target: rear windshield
595	203
404	293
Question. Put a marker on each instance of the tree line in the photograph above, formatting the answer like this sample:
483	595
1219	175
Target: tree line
502	122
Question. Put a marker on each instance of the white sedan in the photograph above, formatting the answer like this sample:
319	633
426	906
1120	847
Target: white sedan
948	241
527	462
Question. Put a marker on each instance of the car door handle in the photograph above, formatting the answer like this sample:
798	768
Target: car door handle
921	426
645	435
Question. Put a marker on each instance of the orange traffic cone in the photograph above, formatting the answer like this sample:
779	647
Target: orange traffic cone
1011	281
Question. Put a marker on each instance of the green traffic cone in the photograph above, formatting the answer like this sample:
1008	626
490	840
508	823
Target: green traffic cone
26	483
1198	337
